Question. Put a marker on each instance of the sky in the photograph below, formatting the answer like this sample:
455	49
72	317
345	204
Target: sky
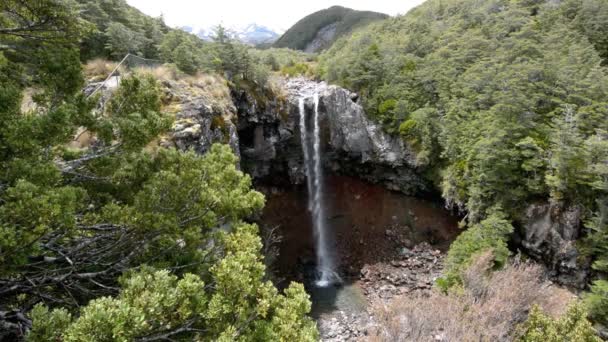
276	14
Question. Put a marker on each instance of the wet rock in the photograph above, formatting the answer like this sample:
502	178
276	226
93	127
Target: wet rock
342	327
402	275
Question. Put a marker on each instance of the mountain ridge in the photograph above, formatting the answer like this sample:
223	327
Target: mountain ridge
317	31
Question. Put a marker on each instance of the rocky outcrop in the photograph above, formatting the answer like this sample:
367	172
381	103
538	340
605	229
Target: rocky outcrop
199	121
268	136
268	129
323	38
548	233
409	274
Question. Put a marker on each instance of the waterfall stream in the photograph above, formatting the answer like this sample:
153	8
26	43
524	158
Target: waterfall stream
314	181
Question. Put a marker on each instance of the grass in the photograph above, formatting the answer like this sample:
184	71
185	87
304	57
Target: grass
99	69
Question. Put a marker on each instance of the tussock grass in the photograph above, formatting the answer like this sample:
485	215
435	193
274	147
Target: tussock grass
165	72
489	307
99	69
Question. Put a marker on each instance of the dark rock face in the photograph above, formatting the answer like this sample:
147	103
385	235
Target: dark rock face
359	146
269	135
549	233
354	144
198	127
323	38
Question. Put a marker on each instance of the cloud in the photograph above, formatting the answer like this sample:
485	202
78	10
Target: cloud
273	13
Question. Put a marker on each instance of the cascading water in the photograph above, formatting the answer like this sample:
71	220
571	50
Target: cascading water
314	181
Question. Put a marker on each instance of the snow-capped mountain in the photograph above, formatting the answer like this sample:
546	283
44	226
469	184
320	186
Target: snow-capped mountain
252	34
257	34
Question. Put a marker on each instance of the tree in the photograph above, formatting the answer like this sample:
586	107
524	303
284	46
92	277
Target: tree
597	241
182	49
121	41
33	23
490	234
185	58
272	62
76	225
568	161
72	222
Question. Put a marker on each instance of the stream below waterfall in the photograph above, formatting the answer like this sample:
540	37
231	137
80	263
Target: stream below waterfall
366	224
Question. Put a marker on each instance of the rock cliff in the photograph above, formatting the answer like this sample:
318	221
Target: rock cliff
548	233
352	143
202	117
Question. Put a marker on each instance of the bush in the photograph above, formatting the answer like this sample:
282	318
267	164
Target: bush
572	327
297	69
597	301
490	234
157	305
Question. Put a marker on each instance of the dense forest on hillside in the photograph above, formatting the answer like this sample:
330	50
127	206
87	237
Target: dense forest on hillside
505	104
346	20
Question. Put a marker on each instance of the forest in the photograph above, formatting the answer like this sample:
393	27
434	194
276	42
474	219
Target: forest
504	103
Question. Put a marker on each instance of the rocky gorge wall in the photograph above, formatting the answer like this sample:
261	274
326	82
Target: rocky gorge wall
351	143
263	129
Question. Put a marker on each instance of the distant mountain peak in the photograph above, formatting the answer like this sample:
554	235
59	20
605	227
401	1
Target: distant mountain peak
251	33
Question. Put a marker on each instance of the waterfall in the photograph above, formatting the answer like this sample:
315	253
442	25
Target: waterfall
314	181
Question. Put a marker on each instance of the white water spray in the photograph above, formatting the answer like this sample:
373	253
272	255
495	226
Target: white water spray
313	167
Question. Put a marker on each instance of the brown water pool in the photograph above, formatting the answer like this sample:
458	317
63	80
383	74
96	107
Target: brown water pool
367	223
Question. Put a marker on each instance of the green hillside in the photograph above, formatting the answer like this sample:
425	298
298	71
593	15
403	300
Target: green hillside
505	103
346	20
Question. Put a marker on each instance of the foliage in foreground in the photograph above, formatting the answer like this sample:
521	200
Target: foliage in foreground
119	239
238	305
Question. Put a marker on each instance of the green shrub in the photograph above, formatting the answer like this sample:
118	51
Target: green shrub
241	305
489	234
297	69
597	301
48	325
572	327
